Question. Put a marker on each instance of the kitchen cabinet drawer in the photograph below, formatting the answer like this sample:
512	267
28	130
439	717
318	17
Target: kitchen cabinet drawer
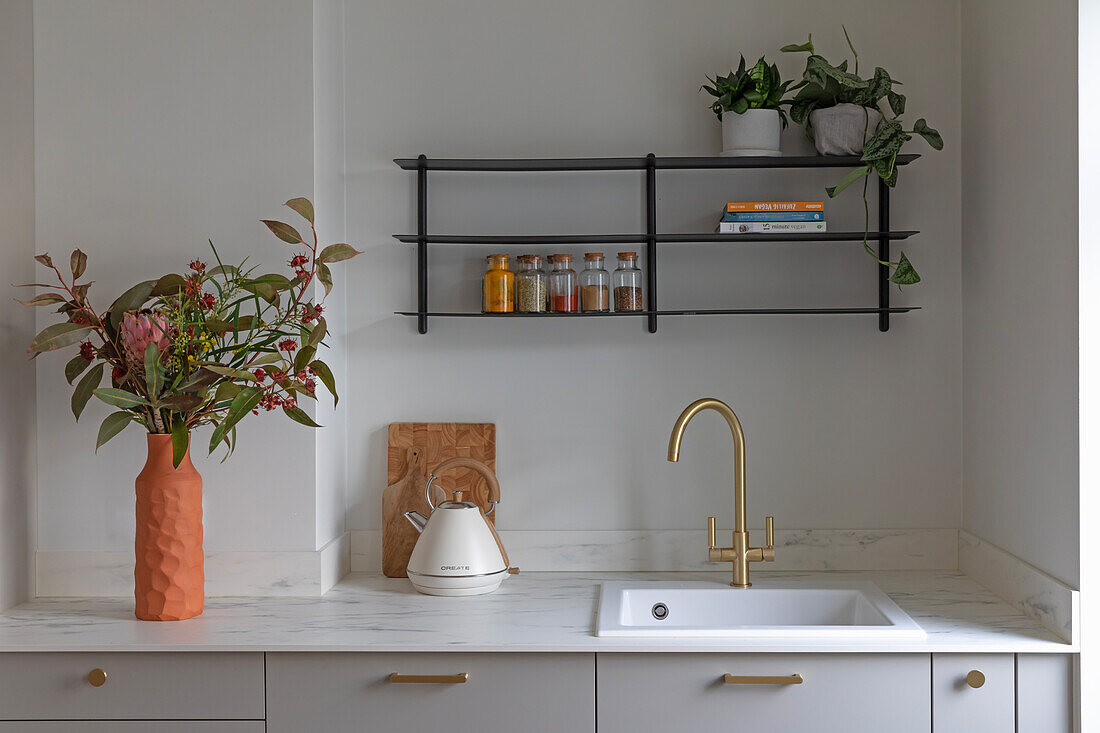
338	692
138	686
133	726
988	708
839	693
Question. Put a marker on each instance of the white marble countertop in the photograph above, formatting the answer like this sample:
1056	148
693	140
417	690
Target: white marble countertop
532	612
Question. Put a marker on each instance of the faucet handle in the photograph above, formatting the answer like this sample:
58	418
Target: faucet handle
712	532
769	532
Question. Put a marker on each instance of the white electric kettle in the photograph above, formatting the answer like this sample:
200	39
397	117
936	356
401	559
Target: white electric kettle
458	552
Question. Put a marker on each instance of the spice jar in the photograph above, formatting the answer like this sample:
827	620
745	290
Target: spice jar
595	284
532	287
627	283
563	284
498	287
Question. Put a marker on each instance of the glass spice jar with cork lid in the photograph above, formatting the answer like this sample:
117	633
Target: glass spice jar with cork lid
563	284
498	287
532	287
594	284
626	282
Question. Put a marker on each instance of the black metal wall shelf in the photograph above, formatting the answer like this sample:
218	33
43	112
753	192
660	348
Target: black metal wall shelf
650	164
694	312
552	239
519	165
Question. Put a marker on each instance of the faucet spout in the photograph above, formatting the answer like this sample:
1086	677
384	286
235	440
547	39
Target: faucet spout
710	403
740	554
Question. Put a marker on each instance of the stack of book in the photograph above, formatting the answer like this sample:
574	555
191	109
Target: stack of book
773	217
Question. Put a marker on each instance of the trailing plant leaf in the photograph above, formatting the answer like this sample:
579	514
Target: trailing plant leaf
180	440
808	46
930	135
85	388
847	180
897	103
904	273
59	335
111	426
283	231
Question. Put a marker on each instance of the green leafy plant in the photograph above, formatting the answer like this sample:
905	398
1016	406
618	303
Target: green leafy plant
207	347
760	87
825	85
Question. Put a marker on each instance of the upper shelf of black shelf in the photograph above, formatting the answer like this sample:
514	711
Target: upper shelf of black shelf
635	164
548	239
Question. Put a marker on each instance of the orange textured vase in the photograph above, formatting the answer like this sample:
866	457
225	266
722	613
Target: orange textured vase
168	571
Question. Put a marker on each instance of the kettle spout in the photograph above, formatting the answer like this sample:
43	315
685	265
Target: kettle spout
417	520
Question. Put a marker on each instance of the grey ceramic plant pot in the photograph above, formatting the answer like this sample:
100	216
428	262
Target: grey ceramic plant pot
843	129
753	132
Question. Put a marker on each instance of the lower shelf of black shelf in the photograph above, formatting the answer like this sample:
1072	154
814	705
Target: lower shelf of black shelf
699	312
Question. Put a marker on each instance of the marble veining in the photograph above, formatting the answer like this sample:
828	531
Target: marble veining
685	550
531	612
1051	603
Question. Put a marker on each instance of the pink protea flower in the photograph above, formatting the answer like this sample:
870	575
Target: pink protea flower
138	330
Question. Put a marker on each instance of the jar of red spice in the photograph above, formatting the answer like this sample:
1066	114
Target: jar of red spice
563	284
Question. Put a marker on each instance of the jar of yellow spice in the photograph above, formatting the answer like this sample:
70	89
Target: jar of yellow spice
498	287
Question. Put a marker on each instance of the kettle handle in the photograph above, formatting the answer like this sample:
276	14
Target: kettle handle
465	462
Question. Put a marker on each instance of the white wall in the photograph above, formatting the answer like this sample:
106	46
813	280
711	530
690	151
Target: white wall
847	427
159	124
17	441
1020	473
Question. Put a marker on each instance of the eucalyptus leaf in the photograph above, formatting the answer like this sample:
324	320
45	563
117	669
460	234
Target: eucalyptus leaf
303	206
180	440
85	388
111	426
42	299
242	404
75	367
325	375
132	299
325	276
120	398
337	253
283	231
299	415
58	336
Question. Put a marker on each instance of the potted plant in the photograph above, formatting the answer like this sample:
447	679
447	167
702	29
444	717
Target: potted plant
842	113
754	97
204	348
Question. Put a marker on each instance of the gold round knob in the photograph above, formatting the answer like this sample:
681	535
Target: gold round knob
975	678
97	677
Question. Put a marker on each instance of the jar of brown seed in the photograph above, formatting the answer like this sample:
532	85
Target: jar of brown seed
532	286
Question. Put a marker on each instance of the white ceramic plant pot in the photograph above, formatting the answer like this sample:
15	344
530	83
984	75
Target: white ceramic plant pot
843	129
753	132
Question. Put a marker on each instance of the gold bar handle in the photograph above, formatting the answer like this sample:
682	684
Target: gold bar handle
792	679
430	679
712	532
769	532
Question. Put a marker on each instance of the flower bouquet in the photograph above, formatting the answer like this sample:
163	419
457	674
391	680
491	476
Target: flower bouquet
207	347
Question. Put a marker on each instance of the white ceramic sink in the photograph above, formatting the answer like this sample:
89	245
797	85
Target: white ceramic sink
772	610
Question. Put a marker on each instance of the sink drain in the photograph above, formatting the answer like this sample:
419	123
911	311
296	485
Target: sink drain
659	611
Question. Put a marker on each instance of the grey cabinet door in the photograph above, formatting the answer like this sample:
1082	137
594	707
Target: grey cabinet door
133	726
839	693
988	708
138	686
505	693
1044	693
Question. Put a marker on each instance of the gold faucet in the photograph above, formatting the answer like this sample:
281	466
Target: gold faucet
741	554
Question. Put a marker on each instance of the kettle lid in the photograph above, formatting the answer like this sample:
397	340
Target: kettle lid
456	502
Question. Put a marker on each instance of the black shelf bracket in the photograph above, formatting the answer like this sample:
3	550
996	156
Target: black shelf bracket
884	256
422	243
651	239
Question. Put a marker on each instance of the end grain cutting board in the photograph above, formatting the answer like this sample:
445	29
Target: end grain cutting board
415	449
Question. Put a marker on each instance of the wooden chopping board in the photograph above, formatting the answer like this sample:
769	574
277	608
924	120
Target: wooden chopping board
414	449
